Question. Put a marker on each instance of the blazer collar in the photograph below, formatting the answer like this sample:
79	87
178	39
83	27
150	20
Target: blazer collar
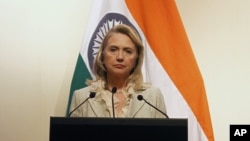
99	107
135	105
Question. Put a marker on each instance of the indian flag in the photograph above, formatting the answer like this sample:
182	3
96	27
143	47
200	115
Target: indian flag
169	62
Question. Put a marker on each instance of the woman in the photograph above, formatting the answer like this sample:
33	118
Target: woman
118	64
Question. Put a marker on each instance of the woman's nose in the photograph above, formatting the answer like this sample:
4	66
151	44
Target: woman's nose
120	56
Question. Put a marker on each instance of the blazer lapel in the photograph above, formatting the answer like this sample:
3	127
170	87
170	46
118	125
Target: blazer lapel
135	105
98	107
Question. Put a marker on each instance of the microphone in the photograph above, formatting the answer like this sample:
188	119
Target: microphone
140	97
91	95
114	89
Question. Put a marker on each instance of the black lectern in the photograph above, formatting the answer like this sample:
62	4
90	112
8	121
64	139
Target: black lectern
117	129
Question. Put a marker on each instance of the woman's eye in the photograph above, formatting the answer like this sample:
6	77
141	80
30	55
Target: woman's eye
129	51
113	49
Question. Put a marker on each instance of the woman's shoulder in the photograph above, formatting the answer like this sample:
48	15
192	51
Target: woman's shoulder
82	91
84	88
151	91
149	87
95	86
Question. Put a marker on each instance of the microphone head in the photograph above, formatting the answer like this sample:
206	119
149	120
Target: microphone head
114	89
140	97
92	94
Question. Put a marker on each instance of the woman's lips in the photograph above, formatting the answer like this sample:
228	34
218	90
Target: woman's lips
120	66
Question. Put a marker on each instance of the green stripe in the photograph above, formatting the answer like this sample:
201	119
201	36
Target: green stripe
80	76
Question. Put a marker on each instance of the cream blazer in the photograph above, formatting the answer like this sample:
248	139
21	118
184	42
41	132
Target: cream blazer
94	107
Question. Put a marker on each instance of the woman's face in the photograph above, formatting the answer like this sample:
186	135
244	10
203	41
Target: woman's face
119	56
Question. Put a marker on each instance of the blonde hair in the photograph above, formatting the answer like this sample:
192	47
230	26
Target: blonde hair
135	77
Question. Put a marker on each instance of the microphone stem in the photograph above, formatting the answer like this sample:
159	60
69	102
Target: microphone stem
114	89
156	108
78	107
113	108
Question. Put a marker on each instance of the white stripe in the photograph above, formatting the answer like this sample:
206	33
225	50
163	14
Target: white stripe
176	105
